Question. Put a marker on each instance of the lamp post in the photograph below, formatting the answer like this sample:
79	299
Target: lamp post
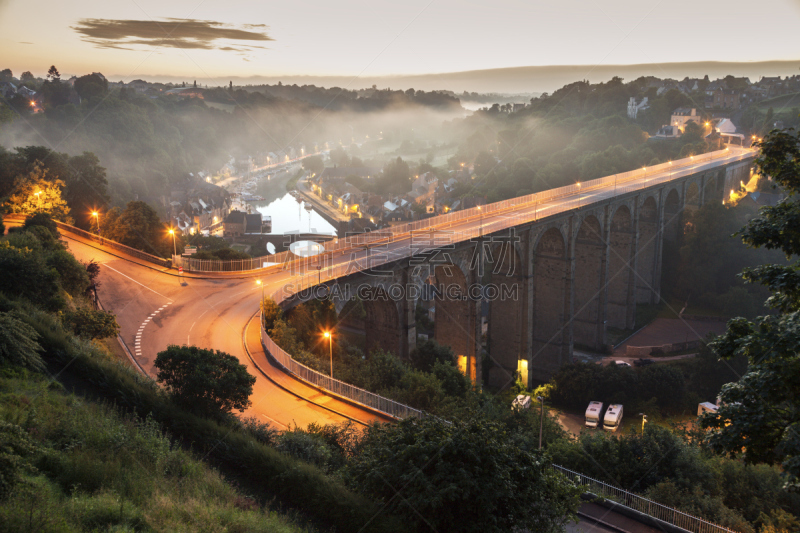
541	420
328	336
580	193
319	274
258	282
644	421
38	199
480	211
174	246
96	216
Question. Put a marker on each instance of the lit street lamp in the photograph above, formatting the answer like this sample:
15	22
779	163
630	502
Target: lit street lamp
174	246
541	420
328	336
96	216
481	213
38	199
644	421
258	282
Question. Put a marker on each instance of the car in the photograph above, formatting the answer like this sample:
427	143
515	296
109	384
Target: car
643	362
622	363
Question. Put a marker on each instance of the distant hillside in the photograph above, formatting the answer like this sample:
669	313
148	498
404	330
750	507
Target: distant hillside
530	79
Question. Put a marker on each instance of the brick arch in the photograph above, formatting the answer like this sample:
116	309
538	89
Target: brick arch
620	272
546	230
455	317
506	343
551	339
590	253
647	252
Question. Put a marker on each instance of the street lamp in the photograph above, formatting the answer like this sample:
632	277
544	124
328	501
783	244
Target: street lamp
96	216
644	421
328	336
258	282
481	213
579	194
174	246
38	199
541	420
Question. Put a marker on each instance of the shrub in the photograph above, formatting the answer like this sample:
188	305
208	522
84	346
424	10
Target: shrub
205	381
464	476
18	343
91	324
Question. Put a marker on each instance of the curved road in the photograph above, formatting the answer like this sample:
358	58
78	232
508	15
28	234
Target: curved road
156	308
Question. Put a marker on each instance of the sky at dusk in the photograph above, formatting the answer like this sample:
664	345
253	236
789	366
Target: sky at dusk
212	40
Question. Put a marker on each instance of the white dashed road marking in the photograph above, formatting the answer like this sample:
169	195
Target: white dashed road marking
144	324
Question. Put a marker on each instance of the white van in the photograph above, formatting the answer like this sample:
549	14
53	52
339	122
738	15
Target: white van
613	418
593	414
706	407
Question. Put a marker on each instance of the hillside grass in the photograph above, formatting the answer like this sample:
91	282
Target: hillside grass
265	474
93	468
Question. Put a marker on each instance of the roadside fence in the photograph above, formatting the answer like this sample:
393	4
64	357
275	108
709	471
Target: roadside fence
642	504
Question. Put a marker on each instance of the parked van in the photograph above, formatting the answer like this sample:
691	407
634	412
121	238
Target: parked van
613	418
593	414
706	407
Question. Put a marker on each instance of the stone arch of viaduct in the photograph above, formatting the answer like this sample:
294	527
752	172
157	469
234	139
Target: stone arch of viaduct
570	278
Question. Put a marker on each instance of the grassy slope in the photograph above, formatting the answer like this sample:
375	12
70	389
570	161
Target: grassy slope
96	469
257	468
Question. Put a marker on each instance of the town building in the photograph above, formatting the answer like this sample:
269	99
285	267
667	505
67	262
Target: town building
682	116
634	108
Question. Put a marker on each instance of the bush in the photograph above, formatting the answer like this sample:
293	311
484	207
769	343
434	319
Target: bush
426	354
464	476
92	324
205	381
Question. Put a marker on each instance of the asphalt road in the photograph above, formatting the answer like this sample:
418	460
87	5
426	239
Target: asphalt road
155	309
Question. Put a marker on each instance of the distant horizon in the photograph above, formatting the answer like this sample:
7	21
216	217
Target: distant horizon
508	80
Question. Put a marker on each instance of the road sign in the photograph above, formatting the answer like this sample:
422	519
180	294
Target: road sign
180	269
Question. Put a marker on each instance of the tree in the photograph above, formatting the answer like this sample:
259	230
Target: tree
19	343
428	353
460	476
760	414
91	85
138	226
53	74
6	74
314	164
86	187
26	275
92	324
36	192
26	76
208	382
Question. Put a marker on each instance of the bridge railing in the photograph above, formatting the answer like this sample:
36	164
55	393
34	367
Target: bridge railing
108	243
328	383
642	504
623	182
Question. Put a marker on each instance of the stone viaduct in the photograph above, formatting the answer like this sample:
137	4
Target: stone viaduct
567	279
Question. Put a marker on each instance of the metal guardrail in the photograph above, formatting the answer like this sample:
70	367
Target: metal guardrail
516	211
351	392
101	240
643	505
